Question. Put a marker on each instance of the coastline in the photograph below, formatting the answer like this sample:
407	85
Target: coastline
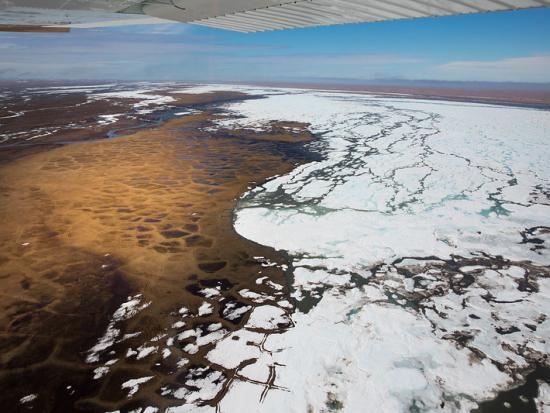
241	316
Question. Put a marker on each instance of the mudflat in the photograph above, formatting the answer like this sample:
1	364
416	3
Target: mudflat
88	226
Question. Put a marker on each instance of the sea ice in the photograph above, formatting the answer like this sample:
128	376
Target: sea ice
402	178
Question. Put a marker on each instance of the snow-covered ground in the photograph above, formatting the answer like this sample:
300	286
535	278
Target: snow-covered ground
136	100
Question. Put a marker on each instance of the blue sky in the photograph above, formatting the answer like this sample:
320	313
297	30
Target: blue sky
503	46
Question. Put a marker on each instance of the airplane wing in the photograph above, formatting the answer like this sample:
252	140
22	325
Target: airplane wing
238	15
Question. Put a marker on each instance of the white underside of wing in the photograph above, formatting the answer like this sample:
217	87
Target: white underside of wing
311	13
240	15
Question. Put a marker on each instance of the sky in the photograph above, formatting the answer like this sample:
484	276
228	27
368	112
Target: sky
501	47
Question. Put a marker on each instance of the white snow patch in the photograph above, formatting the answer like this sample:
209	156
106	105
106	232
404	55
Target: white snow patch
126	310
28	398
205	309
133	385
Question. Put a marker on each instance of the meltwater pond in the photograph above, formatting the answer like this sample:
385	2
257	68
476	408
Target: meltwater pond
418	242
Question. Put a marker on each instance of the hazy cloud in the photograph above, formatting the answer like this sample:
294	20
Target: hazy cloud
531	68
335	59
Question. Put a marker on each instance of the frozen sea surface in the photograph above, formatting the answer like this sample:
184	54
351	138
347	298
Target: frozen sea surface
418	247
